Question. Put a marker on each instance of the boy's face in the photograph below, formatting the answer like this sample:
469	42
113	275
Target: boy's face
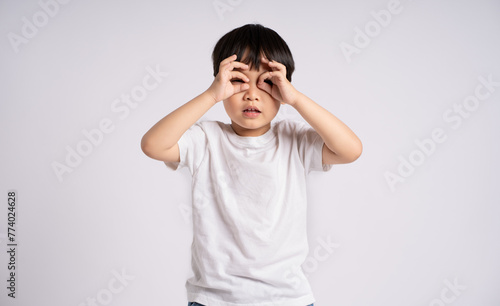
252	110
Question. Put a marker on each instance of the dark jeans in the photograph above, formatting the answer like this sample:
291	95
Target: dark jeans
196	304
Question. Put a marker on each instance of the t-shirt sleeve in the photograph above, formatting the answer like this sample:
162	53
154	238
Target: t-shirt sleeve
192	145
310	147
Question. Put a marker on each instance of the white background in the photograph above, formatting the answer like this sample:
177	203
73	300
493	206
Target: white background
118	211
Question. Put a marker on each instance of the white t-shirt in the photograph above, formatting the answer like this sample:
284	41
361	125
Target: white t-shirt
249	213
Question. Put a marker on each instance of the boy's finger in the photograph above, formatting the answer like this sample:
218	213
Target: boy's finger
240	87
239	65
230	66
239	75
273	64
264	76
277	77
265	87
264	60
278	65
228	60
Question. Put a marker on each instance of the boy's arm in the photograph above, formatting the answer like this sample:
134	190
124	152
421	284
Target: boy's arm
341	144
160	142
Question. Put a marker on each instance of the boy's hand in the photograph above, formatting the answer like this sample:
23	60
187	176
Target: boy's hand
281	89
223	87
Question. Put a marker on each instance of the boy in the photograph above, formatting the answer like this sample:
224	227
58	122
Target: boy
248	177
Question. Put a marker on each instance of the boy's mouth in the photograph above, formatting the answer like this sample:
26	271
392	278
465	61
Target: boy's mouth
251	109
251	112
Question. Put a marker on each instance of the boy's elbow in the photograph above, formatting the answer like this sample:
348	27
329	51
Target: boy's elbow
354	152
357	152
154	150
146	147
350	153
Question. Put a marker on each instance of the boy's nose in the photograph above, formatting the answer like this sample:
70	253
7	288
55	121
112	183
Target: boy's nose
252	93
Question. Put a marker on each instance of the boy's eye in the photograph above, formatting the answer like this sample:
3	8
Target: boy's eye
236	81
269	82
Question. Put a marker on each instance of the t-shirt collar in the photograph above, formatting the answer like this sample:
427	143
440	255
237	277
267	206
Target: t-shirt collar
250	141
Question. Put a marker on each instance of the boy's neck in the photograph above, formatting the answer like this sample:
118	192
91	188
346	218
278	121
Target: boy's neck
244	132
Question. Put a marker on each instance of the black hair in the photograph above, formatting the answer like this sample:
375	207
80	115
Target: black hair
253	40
